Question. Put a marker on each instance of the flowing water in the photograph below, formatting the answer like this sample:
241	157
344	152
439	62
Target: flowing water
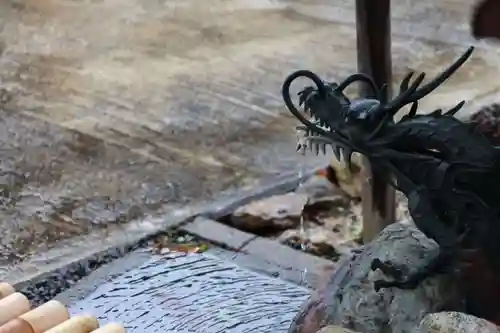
302	146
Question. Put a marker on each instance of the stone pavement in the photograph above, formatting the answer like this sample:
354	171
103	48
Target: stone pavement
186	293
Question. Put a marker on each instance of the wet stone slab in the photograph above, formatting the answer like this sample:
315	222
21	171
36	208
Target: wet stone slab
194	293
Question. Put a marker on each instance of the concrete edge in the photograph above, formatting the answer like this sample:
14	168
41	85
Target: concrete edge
76	251
260	254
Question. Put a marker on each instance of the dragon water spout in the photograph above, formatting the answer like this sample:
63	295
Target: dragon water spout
445	167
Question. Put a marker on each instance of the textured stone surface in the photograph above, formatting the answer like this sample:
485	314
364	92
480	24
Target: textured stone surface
455	322
335	329
284	255
273	213
349	299
218	233
194	293
300	276
320	241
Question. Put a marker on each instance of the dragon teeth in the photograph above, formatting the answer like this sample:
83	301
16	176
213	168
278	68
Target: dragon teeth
343	154
337	151
347	154
309	141
301	141
324	127
323	149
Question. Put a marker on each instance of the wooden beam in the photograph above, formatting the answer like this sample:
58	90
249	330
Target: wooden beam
373	26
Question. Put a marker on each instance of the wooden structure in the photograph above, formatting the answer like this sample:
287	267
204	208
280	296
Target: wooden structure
16	316
373	27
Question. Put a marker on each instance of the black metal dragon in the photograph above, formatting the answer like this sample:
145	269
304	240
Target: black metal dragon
447	169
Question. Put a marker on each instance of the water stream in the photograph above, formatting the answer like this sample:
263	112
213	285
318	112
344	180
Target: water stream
302	145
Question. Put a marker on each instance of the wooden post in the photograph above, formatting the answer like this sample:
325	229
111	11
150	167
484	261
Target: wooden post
373	26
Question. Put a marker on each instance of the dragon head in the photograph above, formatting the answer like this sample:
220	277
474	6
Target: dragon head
329	117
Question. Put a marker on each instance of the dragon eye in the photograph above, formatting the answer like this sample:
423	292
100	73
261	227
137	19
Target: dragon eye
363	109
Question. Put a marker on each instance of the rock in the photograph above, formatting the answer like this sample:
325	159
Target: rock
402	213
319	241
349	300
321	191
347	222
274	213
335	329
455	322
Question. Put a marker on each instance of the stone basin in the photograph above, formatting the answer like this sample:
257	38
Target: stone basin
186	293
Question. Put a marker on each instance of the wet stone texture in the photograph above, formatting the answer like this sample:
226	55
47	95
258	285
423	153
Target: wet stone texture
194	293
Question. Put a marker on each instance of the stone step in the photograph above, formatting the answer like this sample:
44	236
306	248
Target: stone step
187	293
